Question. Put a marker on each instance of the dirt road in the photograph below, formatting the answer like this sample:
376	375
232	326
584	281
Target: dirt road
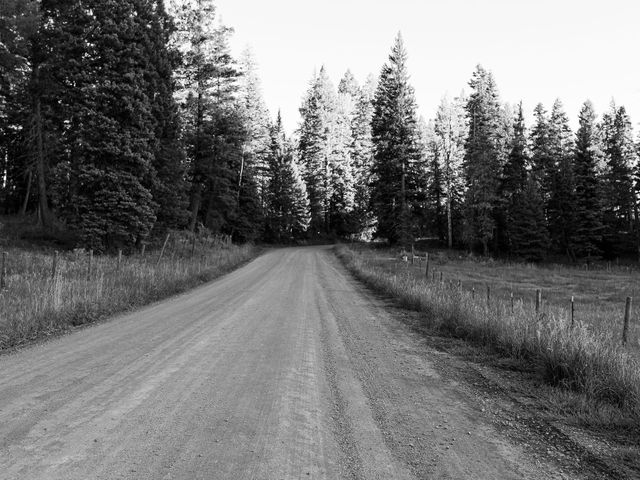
284	369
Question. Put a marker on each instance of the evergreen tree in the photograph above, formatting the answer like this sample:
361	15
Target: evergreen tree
482	160
342	170
588	234
529	238
103	177
288	205
19	20
214	130
168	185
362	156
435	210
316	148
255	117
514	176
451	129
542	160
562	204
397	151
616	133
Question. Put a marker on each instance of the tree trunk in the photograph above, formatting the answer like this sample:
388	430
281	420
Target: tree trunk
47	217
196	201
449	216
25	203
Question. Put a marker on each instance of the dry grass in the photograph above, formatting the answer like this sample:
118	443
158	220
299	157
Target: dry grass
36	304
575	357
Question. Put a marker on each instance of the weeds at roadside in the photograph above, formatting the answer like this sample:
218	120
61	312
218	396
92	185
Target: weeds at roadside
37	303
575	358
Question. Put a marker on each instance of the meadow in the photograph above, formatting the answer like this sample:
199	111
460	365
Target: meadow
47	292
585	355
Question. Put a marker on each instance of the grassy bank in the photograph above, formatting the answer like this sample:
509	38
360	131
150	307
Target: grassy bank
575	357
35	303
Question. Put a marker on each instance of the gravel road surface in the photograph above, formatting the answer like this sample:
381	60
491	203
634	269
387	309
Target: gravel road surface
284	369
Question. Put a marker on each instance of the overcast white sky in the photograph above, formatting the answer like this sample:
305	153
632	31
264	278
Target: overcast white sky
538	50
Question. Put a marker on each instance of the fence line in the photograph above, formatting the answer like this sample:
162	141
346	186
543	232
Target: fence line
538	303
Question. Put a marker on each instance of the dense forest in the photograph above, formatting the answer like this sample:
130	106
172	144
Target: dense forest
123	119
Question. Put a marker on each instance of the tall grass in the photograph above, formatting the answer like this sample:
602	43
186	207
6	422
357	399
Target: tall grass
35	303
573	357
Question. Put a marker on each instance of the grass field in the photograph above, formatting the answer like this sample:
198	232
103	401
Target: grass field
585	357
599	293
37	303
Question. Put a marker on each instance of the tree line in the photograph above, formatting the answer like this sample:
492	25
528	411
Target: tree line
120	120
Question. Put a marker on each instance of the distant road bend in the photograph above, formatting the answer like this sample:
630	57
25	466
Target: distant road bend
284	369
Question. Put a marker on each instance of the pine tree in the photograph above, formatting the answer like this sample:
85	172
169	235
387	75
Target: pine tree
397	151
19	20
451	129
529	238
588	235
542	161
288	205
316	148
90	50
255	117
616	133
482	160
343	172
362	157
514	175
168	185
435	211
562	204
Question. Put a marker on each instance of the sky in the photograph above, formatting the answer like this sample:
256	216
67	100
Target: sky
538	50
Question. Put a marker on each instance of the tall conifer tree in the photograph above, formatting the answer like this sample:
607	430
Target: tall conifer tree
397	151
562	204
482	159
588	236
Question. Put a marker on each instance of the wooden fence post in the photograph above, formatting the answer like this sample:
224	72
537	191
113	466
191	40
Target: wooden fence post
119	259
511	302
144	247
488	294
3	272
538	300
440	277
413	254
627	315
193	245
164	245
572	310
54	265
426	270
90	267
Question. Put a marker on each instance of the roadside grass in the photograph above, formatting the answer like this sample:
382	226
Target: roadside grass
578	358
85	289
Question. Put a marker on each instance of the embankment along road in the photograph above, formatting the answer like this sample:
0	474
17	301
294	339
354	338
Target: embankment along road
286	368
